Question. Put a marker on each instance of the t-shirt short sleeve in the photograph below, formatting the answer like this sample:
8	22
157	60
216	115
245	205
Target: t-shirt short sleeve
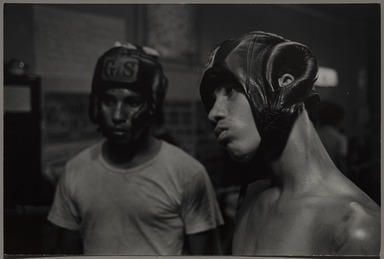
200	210
63	212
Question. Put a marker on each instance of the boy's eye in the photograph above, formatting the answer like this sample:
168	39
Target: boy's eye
108	100
228	89
134	102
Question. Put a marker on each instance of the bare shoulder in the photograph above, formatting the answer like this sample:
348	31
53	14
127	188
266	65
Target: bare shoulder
358	229
257	187
252	193
254	190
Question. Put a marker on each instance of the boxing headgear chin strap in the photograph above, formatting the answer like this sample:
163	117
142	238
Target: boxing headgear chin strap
254	63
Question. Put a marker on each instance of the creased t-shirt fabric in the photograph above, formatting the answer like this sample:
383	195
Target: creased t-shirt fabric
145	210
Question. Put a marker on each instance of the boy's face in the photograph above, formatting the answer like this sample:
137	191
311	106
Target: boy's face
118	108
234	123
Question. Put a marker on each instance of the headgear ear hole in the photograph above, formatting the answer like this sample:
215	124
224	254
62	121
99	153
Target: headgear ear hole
285	79
291	58
93	108
295	59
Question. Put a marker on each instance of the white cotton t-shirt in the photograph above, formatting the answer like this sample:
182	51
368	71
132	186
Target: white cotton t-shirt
145	210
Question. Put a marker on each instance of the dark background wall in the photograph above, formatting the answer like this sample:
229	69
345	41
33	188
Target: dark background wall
344	37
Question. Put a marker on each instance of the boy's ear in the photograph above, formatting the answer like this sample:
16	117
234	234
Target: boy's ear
285	79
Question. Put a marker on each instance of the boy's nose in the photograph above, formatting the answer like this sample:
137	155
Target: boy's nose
118	113
217	112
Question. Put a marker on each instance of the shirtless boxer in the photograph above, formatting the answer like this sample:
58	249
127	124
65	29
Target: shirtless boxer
259	93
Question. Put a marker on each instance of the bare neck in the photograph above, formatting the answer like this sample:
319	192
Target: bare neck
130	155
304	162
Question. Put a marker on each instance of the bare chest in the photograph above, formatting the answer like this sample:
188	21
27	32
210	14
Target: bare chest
313	223
272	232
283	228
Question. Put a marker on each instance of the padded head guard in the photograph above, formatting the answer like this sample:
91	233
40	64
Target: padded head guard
135	68
253	63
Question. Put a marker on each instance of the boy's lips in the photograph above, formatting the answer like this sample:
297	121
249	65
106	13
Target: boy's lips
219	129
119	132
119	129
222	137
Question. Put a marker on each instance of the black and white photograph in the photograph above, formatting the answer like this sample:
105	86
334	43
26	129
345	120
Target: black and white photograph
192	129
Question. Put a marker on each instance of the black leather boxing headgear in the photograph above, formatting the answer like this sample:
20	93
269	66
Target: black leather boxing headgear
253	63
132	67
